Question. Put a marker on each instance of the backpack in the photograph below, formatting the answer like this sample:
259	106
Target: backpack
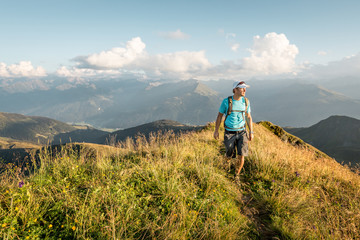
229	110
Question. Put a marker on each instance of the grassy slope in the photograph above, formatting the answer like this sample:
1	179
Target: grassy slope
31	128
7	143
179	188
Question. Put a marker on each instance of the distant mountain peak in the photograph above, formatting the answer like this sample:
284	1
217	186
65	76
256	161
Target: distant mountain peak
204	90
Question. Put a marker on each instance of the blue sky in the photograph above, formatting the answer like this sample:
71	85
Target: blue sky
178	39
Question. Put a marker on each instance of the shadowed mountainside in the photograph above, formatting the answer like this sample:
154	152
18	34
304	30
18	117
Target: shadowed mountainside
156	127
31	128
338	136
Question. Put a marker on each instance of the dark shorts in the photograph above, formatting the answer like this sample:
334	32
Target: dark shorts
236	141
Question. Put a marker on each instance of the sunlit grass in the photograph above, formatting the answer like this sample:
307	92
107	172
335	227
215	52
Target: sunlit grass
179	187
167	187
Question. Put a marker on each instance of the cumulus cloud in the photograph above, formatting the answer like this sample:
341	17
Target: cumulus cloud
83	72
184	61
135	60
22	69
272	54
114	58
177	35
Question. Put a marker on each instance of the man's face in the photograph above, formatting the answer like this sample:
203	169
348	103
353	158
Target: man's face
242	91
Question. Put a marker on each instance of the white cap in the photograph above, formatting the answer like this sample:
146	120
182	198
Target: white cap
240	85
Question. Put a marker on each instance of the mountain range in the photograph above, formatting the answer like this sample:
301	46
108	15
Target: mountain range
337	136
120	104
34	130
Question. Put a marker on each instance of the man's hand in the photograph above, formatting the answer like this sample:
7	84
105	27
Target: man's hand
251	136
216	135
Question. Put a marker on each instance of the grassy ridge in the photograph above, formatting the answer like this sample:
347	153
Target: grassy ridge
305	196
180	188
168	187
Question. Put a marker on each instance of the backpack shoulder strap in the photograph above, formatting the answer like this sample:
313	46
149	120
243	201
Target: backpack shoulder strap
229	110
246	104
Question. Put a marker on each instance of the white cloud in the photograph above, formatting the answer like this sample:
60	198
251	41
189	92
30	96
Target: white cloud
231	41
3	70
235	47
79	72
348	66
135	60
181	65
116	57
178	62
22	69
177	35
272	54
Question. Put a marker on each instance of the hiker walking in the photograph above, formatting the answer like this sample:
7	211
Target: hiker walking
237	110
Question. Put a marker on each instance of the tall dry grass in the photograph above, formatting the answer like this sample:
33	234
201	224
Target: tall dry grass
167	187
179	187
306	197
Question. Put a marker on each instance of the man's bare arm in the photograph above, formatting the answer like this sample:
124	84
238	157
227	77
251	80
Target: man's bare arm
250	124
217	125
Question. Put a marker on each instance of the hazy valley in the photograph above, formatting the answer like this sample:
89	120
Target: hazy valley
119	104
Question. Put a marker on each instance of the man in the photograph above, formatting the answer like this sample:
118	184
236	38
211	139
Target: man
235	125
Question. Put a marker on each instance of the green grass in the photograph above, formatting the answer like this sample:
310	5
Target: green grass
179	187
169	188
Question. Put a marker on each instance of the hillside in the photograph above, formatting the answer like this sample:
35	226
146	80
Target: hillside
31	128
8	143
338	136
156	127
181	187
20	131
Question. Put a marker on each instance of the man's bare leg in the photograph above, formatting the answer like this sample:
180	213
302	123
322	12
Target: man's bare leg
239	164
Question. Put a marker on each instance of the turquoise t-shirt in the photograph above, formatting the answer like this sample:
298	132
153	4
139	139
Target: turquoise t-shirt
235	121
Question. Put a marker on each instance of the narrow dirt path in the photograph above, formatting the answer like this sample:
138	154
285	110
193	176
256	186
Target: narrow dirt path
260	217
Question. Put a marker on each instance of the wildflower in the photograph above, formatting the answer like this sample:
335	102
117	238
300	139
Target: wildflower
62	226
21	183
3	225
16	208
50	226
73	228
297	174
